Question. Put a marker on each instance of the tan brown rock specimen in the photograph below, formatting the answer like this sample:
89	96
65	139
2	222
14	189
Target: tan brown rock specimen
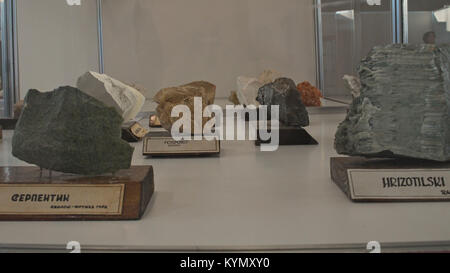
170	97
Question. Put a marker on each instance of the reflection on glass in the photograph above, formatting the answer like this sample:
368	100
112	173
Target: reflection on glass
57	43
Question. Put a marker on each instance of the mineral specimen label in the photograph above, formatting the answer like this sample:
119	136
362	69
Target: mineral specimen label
138	130
390	184
169	146
64	199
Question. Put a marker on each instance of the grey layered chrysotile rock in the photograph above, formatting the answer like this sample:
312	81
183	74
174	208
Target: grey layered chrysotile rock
404	107
283	92
68	131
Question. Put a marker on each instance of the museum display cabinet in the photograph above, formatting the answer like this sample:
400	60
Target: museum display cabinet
354	79
9	73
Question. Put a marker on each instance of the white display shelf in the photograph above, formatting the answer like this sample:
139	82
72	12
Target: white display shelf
246	200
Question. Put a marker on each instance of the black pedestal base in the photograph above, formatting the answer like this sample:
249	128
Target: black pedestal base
291	136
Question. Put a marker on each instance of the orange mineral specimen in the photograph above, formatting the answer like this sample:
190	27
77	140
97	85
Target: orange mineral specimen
310	95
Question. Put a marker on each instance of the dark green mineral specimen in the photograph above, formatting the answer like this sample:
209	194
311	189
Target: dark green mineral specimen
284	93
68	131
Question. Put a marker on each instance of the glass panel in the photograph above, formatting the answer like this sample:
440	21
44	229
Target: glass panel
428	21
350	29
58	42
157	43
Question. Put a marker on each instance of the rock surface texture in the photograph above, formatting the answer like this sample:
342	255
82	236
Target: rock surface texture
404	106
68	131
125	99
248	87
168	98
283	92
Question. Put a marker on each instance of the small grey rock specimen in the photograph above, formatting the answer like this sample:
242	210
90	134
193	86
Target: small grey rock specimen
68	131
404	106
284	92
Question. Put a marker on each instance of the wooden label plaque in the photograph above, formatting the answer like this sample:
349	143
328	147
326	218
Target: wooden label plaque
25	195
162	144
381	180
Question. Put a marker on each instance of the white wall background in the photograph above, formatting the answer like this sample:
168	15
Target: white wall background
161	43
57	42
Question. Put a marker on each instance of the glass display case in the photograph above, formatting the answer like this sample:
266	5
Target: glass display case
348	30
146	46
2	18
8	61
67	36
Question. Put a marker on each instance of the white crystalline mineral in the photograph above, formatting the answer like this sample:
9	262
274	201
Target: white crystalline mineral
404	106
268	76
125	99
248	87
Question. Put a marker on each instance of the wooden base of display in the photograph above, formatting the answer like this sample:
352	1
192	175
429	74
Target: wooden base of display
27	194
391	180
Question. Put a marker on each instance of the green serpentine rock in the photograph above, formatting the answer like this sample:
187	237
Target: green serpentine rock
68	131
404	107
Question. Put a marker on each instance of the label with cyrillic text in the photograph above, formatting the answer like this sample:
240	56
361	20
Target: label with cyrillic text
29	199
390	184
